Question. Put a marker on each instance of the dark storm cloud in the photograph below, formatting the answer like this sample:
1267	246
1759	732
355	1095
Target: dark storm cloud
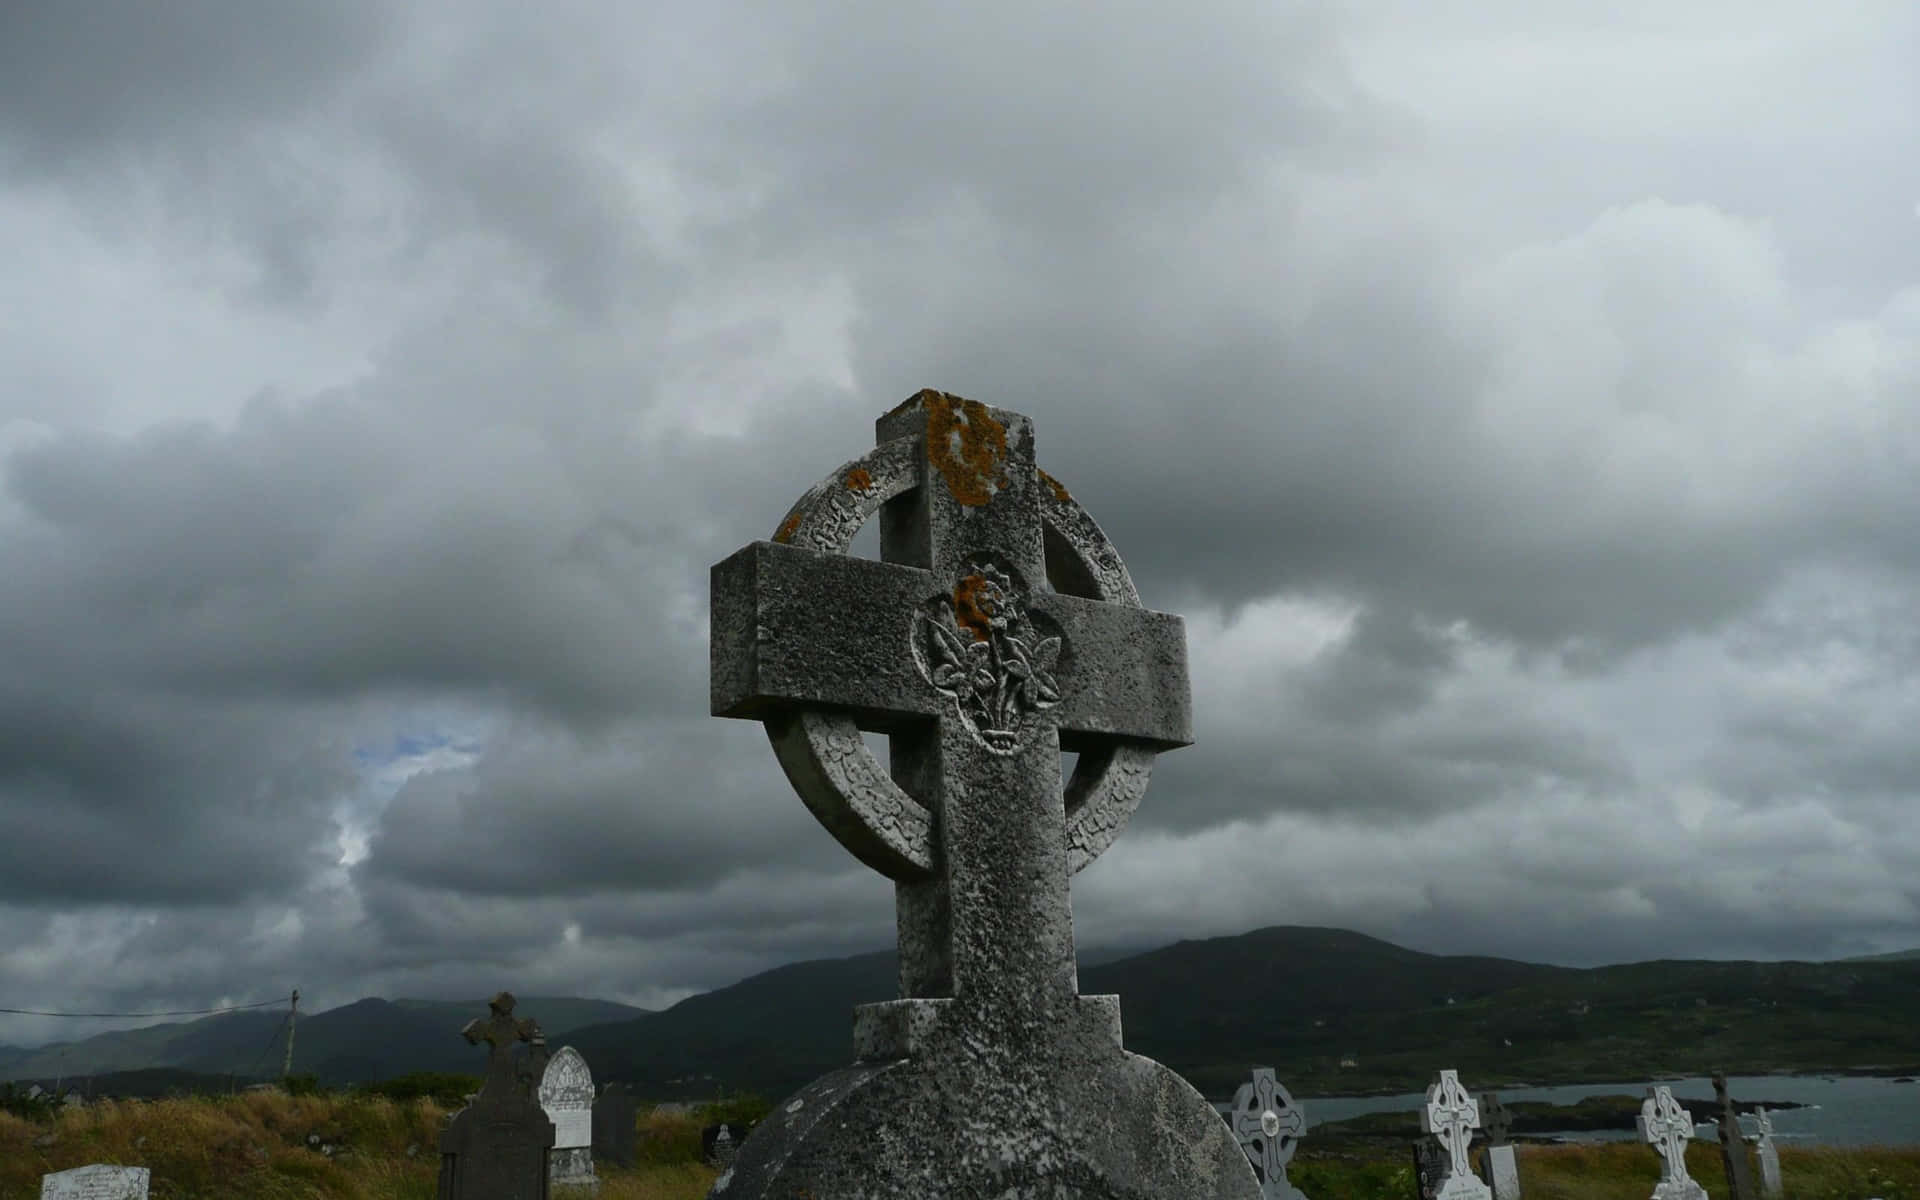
1480	477
86	78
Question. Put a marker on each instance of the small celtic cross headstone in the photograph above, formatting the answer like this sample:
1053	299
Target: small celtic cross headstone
1502	1173
1451	1116
500	1032
1733	1145
1268	1125
999	629
1770	1183
1668	1128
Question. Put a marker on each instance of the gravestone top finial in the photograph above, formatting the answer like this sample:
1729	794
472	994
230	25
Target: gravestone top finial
499	1031
1268	1125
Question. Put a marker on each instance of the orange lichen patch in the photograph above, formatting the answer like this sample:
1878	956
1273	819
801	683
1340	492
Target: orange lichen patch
973	607
787	528
1053	485
966	445
919	397
858	480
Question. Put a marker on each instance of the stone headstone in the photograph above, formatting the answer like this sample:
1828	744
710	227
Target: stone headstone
1668	1128
1429	1168
999	629
1451	1116
613	1126
1733	1146
718	1145
1500	1172
1268	1125
96	1182
496	1148
566	1093
1770	1183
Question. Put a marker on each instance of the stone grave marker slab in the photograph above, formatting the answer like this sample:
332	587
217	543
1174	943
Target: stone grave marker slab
614	1132
999	629
566	1093
1268	1125
96	1182
1502	1173
1668	1128
1429	1168
1770	1183
1733	1145
496	1147
718	1145
1451	1116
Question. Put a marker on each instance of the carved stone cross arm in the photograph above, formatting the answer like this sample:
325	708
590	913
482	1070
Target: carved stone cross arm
803	627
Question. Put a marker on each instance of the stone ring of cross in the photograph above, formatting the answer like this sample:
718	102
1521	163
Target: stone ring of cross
988	648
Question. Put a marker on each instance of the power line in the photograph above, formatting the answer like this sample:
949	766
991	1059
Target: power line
182	1012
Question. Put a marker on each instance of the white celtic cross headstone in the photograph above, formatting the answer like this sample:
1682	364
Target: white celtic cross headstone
999	630
1451	1116
96	1182
1668	1128
1268	1125
566	1093
1769	1154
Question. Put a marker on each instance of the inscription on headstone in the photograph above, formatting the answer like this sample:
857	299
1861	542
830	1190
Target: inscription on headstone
1770	1183
613	1126
96	1182
1451	1116
999	629
496	1148
566	1093
1668	1128
1268	1125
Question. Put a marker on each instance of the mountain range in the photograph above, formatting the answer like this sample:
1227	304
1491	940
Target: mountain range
1336	1011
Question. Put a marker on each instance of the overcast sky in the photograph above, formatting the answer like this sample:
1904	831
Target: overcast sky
1520	399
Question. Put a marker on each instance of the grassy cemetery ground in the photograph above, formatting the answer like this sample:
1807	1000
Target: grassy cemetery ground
255	1147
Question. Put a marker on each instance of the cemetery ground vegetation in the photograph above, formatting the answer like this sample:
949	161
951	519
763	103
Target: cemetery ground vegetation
255	1146
375	1143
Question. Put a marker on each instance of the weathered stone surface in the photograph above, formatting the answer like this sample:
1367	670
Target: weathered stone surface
1499	1171
566	1095
613	1126
1268	1125
1451	1116
1668	1128
1000	629
1733	1146
96	1182
1769	1155
496	1148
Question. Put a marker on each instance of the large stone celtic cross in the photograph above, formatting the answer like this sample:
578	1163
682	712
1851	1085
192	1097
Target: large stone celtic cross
998	629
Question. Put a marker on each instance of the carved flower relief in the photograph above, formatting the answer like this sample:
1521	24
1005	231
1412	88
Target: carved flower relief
979	647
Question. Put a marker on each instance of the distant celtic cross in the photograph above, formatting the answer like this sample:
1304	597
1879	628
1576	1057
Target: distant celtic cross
1451	1115
1495	1120
500	1032
999	629
1268	1125
1668	1128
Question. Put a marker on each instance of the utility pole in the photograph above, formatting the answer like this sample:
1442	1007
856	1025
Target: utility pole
293	1014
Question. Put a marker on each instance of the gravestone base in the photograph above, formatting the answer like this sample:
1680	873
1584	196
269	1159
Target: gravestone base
571	1168
1007	1116
1503	1176
96	1182
1679	1189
